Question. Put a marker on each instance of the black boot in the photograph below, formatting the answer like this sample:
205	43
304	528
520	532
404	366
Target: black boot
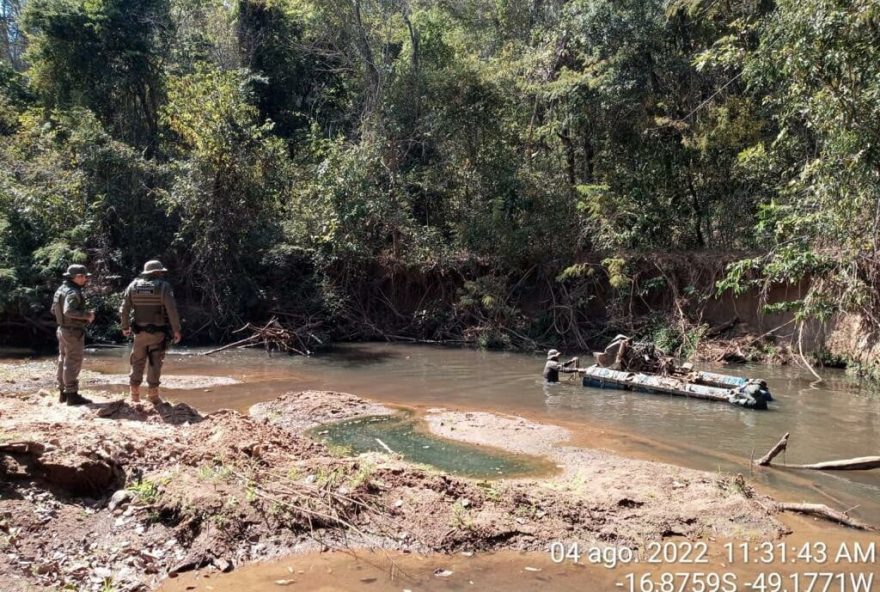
62	396
77	399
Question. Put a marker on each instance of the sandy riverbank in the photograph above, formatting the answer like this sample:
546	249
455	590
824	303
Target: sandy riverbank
30	376
112	493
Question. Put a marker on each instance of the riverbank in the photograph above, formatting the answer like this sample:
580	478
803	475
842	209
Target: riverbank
122	495
29	376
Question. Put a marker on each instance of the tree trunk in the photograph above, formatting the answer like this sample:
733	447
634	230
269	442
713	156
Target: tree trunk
569	156
374	77
589	158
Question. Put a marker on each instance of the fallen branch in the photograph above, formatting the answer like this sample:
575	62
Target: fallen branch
719	329
384	445
823	511
273	335
801	352
780	446
425	341
238	343
332	507
862	463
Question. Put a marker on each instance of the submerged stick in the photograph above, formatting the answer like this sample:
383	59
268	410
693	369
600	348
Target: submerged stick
801	352
384	445
780	446
823	511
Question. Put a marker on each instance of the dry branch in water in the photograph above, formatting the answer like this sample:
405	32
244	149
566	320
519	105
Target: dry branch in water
780	446
862	463
823	511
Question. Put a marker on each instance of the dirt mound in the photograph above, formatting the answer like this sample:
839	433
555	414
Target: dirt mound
69	472
229	435
297	412
165	412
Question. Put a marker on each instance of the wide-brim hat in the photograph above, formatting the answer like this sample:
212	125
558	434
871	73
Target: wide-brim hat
75	270
553	354
153	266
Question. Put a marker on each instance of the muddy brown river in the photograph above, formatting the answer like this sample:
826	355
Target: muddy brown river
834	419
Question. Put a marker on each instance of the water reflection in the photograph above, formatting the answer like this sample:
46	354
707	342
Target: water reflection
358	358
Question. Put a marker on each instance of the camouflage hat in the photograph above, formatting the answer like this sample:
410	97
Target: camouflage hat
153	266
553	354
75	270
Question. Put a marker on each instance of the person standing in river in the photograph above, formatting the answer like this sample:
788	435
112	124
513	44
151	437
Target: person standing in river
69	308
553	367
149	299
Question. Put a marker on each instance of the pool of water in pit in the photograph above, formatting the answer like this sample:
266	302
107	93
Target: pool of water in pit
406	435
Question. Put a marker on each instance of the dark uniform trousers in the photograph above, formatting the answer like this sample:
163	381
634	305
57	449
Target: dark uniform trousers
71	351
148	351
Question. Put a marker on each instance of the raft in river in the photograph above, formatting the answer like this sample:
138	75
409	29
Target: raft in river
749	393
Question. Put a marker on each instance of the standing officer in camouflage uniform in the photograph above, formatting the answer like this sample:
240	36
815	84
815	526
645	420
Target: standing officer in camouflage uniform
69	308
151	300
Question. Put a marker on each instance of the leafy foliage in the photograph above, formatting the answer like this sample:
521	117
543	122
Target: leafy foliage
816	68
306	156
226	192
103	55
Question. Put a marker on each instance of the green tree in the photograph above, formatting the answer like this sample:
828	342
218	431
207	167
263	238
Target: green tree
817	67
104	55
229	179
70	193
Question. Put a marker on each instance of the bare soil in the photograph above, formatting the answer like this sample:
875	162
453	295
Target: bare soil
667	500
122	495
30	376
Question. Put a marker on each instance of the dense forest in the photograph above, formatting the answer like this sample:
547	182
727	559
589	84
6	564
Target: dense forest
475	170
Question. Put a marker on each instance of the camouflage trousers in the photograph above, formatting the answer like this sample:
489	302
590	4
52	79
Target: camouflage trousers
71	351
148	348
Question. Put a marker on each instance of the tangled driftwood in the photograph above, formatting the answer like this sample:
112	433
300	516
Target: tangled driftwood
274	336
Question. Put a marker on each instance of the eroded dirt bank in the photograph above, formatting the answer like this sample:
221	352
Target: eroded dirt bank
114	494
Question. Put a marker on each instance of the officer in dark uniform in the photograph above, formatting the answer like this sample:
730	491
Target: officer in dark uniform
150	301
553	367
69	308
